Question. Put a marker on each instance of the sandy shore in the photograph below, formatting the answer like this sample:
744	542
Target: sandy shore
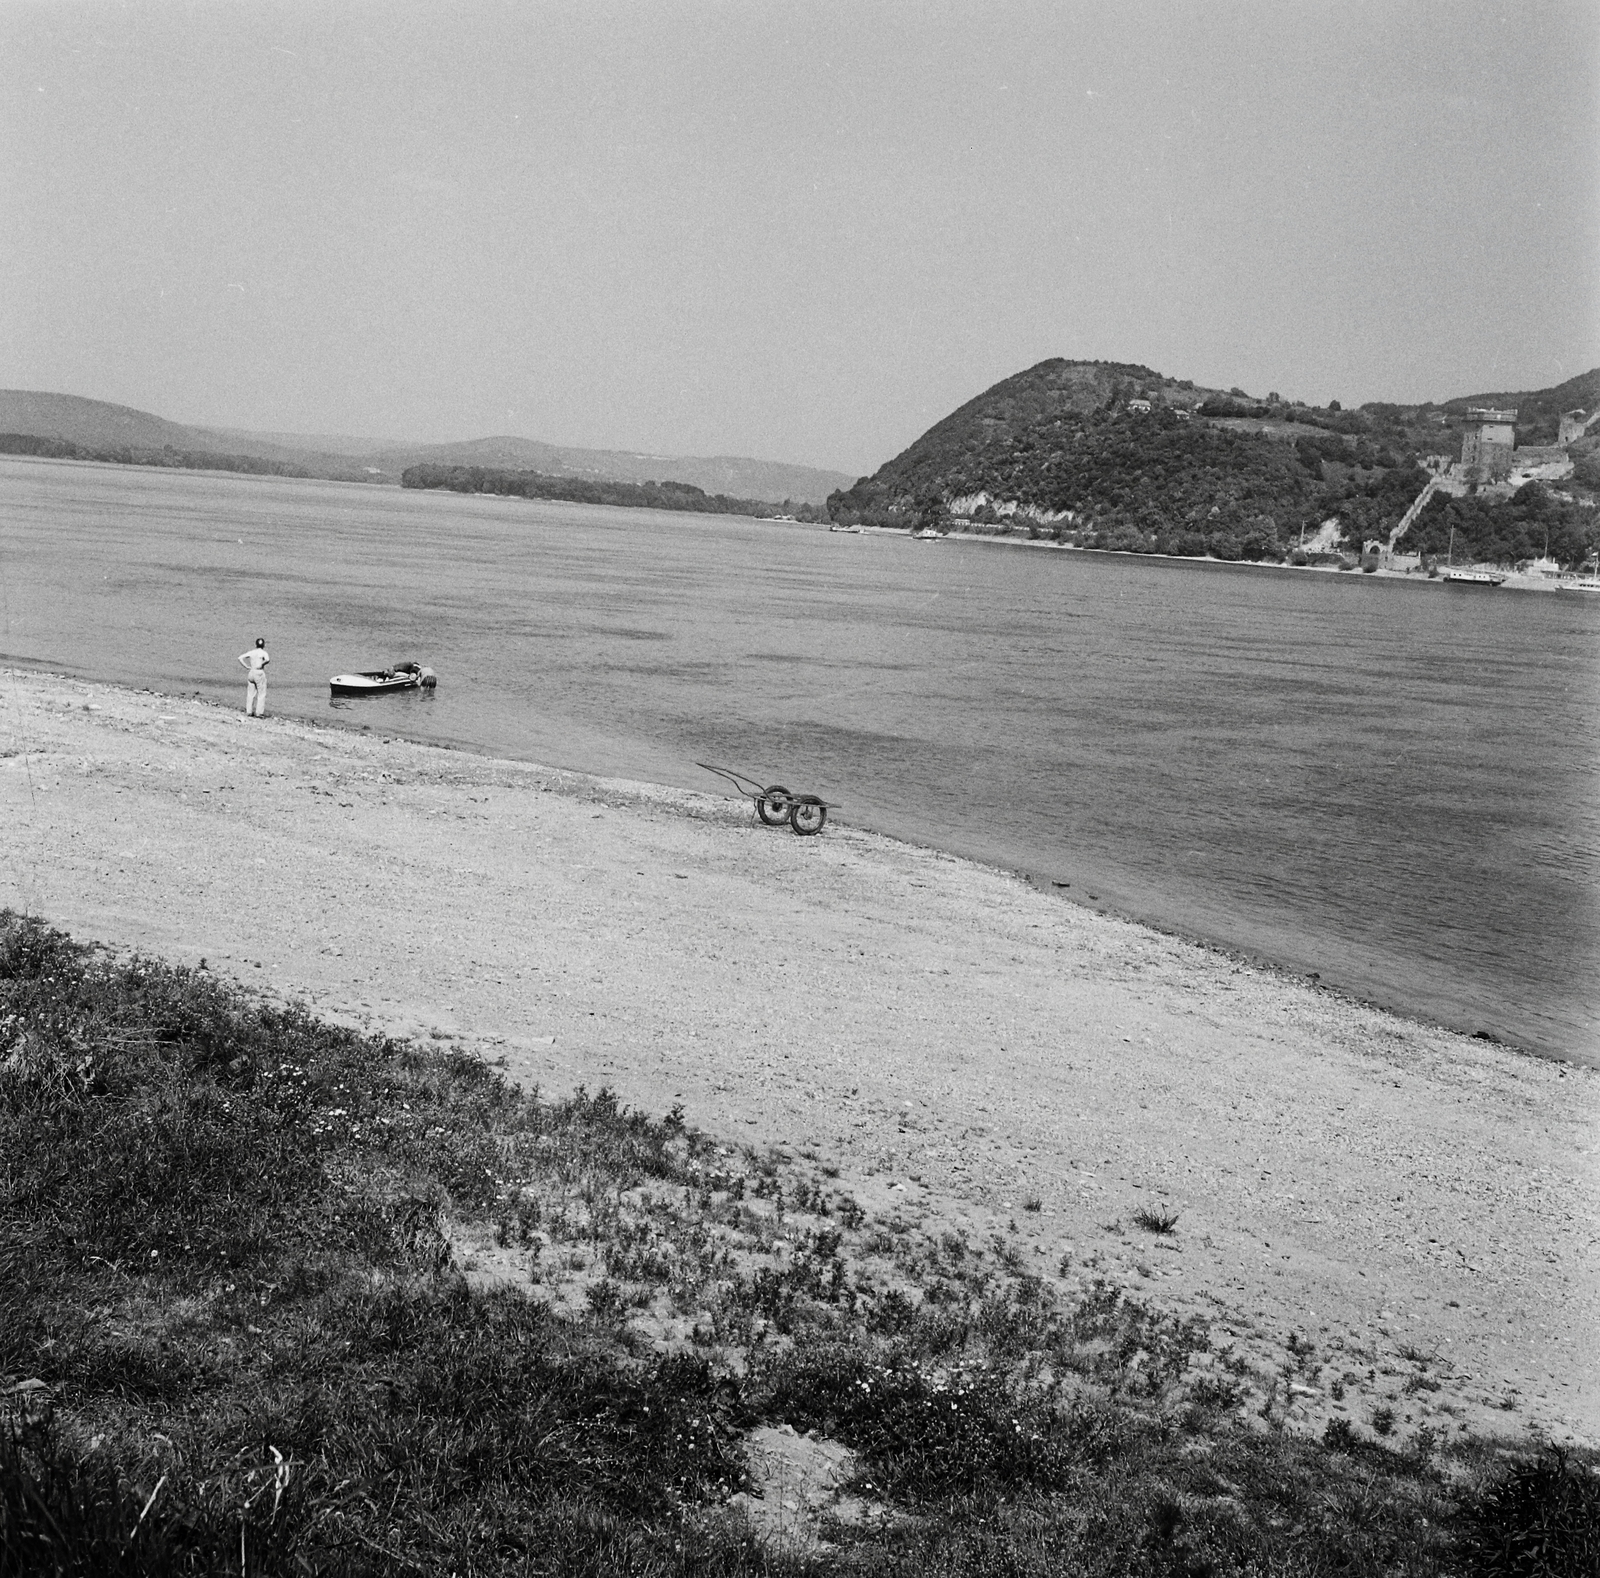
959	1044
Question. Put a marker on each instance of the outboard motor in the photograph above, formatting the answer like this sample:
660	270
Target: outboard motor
428	679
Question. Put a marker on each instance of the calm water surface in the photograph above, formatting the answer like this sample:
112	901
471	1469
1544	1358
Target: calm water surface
1395	785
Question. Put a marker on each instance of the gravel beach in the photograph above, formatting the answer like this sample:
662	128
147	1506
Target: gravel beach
1423	1206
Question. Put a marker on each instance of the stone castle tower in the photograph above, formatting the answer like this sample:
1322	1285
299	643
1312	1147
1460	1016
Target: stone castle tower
1489	441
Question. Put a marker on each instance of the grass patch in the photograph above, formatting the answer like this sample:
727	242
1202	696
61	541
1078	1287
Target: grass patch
1156	1220
241	1330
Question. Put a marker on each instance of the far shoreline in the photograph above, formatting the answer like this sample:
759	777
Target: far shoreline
1514	581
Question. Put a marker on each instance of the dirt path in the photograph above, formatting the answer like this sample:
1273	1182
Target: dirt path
1420	1205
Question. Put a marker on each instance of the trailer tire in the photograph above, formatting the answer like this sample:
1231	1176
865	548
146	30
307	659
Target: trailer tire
807	816
773	805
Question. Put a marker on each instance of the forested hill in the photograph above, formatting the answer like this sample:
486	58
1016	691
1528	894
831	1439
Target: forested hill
1044	404
1116	455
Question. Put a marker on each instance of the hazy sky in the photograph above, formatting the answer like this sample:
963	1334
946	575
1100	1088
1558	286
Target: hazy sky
796	231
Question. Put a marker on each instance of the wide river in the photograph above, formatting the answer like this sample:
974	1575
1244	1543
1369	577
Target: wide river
1395	785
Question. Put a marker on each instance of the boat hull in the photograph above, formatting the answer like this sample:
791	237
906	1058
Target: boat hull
381	682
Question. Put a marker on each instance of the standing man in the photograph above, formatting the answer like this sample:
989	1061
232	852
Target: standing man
255	691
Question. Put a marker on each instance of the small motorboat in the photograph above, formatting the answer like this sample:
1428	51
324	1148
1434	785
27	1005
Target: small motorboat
380	681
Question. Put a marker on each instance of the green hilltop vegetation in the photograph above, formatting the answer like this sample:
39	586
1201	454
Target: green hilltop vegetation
1057	451
238	1336
652	495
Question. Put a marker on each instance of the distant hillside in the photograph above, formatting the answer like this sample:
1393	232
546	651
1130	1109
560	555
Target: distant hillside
84	429
93	422
769	480
1118	456
166	456
114	431
979	443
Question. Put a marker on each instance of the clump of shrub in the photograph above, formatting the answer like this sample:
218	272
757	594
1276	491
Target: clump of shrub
1156	1219
925	1432
1540	1519
1339	1435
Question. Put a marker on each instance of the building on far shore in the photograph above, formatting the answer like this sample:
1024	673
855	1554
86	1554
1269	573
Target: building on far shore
1491	462
1489	451
1489	441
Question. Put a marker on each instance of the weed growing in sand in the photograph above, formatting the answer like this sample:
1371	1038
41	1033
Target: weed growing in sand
1217	1393
1339	1435
850	1213
1156	1219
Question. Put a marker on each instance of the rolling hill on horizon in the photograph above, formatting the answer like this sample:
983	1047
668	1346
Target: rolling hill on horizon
1115	455
118	431
1101	454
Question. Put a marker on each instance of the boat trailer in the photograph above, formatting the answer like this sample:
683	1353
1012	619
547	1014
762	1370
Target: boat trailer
807	814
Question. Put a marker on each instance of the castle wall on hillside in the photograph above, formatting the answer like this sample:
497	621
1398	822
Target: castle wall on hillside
1539	455
1574	424
1540	463
1489	451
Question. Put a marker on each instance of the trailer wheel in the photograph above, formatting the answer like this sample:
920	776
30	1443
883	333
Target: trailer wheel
773	805
807	816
